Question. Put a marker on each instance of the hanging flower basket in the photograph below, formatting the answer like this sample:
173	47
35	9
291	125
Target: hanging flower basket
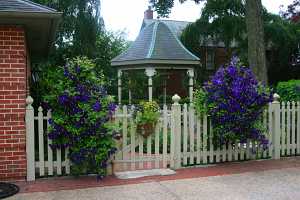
145	129
147	117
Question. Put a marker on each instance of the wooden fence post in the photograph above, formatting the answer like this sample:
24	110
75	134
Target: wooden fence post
29	120
276	130
176	133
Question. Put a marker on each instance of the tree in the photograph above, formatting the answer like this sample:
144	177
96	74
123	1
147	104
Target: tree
78	30
292	11
256	55
256	44
81	33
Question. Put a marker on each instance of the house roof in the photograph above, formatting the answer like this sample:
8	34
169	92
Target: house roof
23	6
39	22
156	45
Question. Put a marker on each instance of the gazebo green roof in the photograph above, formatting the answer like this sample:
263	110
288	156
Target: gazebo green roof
158	46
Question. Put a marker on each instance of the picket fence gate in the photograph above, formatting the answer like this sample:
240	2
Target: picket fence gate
181	138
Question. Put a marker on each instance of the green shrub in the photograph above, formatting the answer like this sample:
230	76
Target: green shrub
81	113
235	101
289	90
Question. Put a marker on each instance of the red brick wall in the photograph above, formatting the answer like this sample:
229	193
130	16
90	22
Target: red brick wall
12	103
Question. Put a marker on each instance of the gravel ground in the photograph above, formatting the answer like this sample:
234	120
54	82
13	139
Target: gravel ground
281	184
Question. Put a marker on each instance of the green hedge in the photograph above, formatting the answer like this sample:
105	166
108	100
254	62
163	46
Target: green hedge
289	90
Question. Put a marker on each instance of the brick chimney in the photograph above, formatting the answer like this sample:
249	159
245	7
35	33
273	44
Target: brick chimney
148	14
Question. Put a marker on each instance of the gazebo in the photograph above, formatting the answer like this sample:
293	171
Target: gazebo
156	48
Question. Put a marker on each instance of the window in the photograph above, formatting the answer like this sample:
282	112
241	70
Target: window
210	59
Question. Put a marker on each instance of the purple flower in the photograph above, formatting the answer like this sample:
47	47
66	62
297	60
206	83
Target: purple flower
112	108
45	105
236	101
63	99
51	122
66	72
97	106
81	89
77	69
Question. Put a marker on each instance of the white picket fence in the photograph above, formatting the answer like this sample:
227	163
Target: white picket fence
181	138
41	159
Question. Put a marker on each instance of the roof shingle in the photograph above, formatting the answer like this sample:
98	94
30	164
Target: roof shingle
23	6
156	42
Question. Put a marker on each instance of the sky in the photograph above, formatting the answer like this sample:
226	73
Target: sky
127	15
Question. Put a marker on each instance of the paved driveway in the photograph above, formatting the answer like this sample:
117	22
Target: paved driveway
280	184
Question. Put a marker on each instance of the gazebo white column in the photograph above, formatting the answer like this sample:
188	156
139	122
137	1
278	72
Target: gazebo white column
129	92
190	73
150	72
119	86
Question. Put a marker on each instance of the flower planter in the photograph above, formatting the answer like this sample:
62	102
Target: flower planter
145	129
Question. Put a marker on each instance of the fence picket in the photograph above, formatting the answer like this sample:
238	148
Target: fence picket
172	144
247	150
157	132
265	124
50	151
198	140
288	128
132	144
242	151
149	151
185	134
165	135
211	146
191	134
58	160
141	151
298	127
67	161
205	139
270	123
224	153
218	154
293	122
177	130
124	138
41	141
283	129
236	151
229	152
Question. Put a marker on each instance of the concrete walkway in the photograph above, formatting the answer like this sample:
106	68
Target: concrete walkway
281	184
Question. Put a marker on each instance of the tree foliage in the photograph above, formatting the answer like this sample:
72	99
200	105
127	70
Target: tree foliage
289	90
218	23
226	22
81	33
292	11
81	23
163	7
254	27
